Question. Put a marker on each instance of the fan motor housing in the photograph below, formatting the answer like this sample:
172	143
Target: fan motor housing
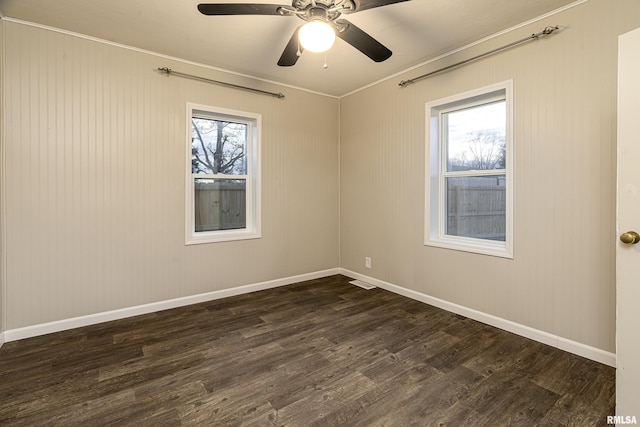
317	13
303	4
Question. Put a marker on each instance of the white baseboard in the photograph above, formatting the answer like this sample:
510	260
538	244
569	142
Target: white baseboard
570	346
92	319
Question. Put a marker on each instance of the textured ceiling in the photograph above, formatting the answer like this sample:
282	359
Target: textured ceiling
415	31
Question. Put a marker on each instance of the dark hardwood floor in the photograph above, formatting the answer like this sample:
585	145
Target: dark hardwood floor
317	353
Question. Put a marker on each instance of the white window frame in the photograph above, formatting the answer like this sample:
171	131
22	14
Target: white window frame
253	201
435	172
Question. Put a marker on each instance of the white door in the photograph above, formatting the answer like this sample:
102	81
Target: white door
628	219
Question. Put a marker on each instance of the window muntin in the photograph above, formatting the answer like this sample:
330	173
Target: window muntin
469	185
222	179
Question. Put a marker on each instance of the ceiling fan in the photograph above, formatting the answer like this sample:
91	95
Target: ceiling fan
318	13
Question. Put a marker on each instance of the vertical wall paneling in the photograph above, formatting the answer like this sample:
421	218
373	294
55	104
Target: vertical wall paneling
94	191
561	279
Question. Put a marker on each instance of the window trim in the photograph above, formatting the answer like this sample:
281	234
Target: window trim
252	177
435	172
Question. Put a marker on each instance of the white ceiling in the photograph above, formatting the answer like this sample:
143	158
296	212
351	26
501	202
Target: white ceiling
415	31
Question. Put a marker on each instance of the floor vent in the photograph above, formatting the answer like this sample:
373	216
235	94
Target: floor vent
363	285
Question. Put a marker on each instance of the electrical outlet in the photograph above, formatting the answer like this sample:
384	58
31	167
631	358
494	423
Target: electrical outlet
367	262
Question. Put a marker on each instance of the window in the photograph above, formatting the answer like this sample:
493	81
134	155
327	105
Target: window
222	185
469	166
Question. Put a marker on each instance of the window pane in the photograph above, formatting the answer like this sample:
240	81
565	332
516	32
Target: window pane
476	137
476	207
218	147
220	204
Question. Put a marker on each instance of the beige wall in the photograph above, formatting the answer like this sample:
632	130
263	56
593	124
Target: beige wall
95	171
562	278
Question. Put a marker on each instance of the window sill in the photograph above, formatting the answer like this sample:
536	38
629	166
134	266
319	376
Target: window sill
497	249
217	237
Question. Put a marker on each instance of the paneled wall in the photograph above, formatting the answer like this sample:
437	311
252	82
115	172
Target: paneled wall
95	180
562	277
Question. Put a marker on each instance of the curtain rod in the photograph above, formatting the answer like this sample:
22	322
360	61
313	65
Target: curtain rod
545	32
169	71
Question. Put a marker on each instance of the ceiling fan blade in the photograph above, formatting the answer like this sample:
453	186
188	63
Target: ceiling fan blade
362	41
291	51
240	9
369	4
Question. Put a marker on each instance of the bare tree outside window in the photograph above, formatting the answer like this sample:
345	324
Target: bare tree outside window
484	151
218	147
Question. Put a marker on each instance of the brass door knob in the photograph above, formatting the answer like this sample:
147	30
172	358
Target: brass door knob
630	237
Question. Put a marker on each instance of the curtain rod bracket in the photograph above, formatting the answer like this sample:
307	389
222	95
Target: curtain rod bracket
547	30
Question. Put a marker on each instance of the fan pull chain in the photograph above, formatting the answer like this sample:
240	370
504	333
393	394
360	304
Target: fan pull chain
325	66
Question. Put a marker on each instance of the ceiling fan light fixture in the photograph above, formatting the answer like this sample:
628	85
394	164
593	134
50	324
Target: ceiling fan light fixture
317	36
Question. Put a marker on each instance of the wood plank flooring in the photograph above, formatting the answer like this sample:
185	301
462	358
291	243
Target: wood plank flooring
317	353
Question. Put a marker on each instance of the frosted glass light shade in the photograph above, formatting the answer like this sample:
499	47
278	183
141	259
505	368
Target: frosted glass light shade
316	36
